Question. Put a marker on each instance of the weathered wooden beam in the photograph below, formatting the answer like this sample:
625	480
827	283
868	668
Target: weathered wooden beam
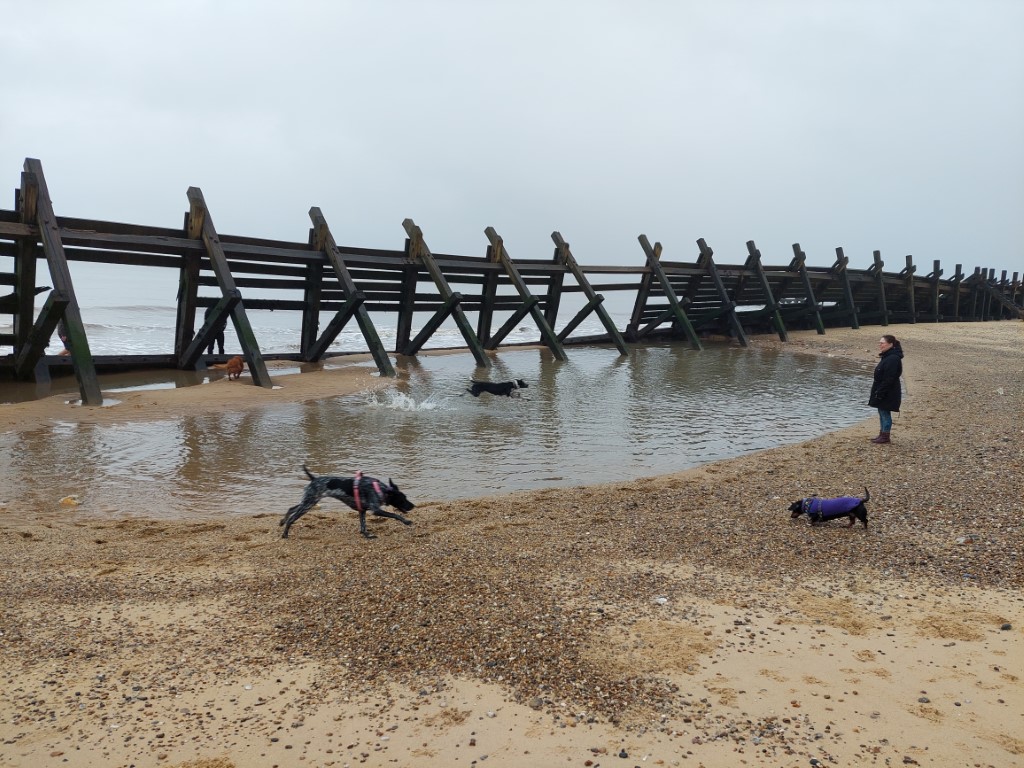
754	262
199	226
595	302
29	354
526	307
908	281
450	305
194	351
728	307
499	254
37	197
323	240
875	270
935	276
799	265
840	269
312	299
320	346
188	291
678	314
419	252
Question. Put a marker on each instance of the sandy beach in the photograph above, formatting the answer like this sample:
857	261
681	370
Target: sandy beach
671	621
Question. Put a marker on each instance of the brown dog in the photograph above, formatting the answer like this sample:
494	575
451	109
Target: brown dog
235	366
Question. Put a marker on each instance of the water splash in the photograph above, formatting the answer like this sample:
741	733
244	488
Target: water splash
392	399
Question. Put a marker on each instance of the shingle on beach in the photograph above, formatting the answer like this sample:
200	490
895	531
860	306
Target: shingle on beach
605	607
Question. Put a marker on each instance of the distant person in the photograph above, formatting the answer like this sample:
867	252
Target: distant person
62	334
886	394
218	332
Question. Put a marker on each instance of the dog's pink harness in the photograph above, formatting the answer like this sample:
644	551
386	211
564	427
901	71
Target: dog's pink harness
355	489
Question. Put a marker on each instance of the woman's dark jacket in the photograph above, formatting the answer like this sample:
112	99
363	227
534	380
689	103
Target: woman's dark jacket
885	391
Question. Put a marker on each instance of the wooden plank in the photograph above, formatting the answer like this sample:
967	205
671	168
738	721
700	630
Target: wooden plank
200	226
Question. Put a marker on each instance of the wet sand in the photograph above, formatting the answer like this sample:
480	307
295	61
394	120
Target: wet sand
679	620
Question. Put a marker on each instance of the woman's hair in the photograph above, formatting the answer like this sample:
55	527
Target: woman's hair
890	338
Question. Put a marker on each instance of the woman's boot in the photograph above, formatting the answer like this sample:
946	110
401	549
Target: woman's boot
883	437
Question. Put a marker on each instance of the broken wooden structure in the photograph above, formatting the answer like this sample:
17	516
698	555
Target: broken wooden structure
679	299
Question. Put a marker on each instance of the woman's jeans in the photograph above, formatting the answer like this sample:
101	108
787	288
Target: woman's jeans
885	419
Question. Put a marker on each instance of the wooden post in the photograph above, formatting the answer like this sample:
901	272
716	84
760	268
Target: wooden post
908	275
188	292
500	255
799	264
955	282
643	293
876	271
25	256
418	251
707	261
60	274
322	239
312	295
840	268
200	226
935	276
676	310
771	305
594	300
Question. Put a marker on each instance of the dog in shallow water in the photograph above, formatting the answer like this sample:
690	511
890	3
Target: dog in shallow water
502	388
821	510
361	493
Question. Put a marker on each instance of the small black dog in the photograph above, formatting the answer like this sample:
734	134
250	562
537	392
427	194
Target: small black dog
361	493
821	510
504	388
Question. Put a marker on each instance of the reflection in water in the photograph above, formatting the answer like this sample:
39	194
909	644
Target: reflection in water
597	417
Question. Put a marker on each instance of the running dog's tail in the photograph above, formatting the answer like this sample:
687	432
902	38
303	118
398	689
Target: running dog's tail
309	474
867	493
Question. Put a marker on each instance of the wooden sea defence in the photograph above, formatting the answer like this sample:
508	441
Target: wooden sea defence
681	299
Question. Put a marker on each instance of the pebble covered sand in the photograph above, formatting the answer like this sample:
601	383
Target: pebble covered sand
680	620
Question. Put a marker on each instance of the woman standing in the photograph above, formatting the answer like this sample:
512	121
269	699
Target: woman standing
885	390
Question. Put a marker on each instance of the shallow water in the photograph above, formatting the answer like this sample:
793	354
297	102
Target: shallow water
597	417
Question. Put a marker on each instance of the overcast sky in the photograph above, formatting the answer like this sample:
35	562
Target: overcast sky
871	125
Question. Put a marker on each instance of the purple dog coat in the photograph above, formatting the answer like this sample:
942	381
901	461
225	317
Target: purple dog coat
829	509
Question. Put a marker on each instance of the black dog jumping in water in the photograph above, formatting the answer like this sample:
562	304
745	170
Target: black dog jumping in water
504	388
361	493
821	510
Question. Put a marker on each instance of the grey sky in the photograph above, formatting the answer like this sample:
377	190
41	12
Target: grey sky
896	126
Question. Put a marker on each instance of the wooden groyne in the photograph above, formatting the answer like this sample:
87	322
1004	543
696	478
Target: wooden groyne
681	299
